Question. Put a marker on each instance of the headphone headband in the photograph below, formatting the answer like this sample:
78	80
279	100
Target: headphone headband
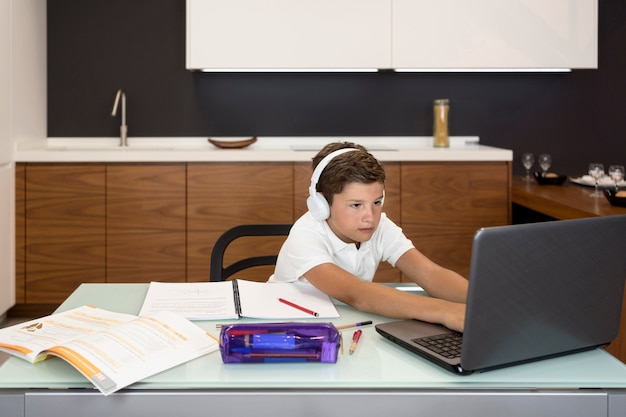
319	169
316	203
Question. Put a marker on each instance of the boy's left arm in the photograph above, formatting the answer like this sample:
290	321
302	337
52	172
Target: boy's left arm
434	279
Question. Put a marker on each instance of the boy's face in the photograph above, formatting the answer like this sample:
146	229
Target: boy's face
355	212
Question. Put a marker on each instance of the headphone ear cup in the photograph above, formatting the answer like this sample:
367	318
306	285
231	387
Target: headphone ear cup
316	203
318	206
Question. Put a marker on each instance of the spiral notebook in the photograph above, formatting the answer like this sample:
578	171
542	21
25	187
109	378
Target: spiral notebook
535	291
238	298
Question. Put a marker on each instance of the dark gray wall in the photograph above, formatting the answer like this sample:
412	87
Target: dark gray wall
98	46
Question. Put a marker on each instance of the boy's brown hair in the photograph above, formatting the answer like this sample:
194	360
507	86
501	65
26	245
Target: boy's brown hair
346	168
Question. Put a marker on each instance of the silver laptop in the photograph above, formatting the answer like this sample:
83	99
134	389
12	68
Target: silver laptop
535	291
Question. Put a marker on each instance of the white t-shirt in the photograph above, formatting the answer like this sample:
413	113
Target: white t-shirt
311	243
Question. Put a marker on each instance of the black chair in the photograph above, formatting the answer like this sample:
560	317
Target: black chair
221	273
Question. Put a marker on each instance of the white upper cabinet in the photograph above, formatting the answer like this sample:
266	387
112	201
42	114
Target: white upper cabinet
400	34
495	34
288	34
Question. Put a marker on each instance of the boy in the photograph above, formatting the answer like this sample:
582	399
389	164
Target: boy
337	245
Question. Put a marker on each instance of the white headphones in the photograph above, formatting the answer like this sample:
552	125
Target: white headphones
316	203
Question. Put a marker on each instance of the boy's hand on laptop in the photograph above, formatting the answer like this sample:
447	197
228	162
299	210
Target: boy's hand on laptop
454	317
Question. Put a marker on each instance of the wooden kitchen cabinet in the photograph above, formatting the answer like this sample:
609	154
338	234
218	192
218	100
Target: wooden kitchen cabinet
98	223
223	195
302	180
146	222
392	208
445	203
20	234
65	237
139	222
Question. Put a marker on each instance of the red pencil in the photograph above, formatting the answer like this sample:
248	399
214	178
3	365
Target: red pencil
306	310
355	340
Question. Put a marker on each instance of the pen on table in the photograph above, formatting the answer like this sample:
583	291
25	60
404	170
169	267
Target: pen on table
342	327
341	343
355	340
306	310
359	324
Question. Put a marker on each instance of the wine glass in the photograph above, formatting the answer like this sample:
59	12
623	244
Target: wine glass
596	171
616	172
545	161
528	159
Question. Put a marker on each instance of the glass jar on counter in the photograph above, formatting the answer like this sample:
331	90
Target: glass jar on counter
441	109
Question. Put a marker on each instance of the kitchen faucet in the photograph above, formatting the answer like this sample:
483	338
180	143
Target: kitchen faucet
123	127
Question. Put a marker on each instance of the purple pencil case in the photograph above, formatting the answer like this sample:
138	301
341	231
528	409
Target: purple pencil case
279	342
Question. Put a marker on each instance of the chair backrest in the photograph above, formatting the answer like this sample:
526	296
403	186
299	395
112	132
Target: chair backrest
221	273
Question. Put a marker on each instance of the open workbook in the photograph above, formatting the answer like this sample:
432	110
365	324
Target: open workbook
239	298
113	350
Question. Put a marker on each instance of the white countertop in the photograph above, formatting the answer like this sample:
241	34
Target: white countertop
266	149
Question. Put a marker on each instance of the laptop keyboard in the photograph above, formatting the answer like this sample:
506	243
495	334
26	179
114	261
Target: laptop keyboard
447	345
